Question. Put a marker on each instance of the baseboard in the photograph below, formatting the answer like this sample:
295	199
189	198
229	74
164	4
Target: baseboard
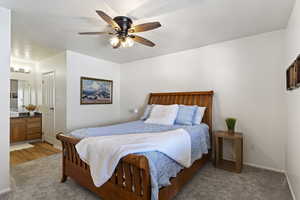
4	191
259	166
264	167
290	186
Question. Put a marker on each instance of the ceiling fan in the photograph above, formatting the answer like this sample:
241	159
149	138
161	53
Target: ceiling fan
123	31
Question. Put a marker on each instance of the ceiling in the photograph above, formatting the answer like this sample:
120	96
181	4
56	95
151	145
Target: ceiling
43	28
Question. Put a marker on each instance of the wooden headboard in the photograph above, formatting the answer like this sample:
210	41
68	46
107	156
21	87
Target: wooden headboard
203	99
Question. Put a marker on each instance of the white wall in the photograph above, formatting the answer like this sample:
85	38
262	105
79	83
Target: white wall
78	116
55	64
246	77
69	67
293	102
4	100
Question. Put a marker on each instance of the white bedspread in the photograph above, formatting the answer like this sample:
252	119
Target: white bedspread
103	153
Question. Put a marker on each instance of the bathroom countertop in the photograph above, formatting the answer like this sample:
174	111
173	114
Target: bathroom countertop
16	116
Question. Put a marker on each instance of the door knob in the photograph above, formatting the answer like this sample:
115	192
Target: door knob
51	108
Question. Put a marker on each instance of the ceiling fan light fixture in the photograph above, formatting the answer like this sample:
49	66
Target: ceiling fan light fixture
127	42
122	30
114	41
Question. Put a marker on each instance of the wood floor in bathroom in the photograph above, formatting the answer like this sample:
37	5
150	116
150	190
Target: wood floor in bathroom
40	150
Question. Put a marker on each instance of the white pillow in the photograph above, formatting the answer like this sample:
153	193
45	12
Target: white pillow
163	114
199	115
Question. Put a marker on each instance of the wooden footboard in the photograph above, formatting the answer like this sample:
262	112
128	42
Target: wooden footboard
130	181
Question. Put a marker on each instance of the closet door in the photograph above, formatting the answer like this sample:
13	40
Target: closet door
48	107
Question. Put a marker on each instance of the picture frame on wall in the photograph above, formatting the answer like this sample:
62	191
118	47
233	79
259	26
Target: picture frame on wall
293	75
95	91
291	78
297	71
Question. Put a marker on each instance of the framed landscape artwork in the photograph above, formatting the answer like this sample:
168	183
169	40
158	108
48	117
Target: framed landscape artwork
297	69
293	75
290	78
96	91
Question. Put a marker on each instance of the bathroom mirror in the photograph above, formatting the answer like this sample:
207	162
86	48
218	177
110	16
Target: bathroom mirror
21	94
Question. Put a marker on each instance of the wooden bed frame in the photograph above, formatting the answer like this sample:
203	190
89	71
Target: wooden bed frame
131	179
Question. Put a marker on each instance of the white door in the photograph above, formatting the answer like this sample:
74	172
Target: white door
48	106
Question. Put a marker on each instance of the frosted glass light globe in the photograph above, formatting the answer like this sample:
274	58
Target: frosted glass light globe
114	41
128	42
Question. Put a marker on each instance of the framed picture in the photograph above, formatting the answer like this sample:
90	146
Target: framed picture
293	75
288	79
96	91
291	78
297	71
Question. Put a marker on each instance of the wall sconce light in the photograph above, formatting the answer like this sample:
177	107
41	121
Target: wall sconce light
17	69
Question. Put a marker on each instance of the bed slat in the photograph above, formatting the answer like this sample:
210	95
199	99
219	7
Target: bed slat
137	181
128	177
120	174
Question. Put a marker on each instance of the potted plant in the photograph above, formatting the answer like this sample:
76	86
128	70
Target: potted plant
230	122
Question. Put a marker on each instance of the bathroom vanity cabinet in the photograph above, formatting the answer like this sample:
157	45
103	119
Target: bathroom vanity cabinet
25	128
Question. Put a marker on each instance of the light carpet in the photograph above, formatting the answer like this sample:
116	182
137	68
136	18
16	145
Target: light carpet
39	180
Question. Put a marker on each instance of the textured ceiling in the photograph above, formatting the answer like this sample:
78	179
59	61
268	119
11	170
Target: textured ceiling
43	28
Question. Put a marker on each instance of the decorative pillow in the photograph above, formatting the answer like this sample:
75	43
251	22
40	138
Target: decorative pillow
147	112
199	115
163	114
185	115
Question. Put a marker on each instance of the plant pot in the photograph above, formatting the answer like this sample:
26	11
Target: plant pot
230	122
231	131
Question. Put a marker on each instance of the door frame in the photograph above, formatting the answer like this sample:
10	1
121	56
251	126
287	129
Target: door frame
54	99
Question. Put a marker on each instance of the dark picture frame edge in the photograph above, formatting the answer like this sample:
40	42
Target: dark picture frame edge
297	71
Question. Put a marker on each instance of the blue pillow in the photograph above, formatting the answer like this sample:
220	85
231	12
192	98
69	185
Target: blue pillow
199	113
185	115
147	112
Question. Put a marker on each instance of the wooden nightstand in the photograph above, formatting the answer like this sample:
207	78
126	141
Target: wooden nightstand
233	166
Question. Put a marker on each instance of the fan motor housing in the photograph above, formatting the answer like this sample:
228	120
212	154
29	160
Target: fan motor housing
124	23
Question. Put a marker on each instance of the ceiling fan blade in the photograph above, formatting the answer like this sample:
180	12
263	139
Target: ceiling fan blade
142	40
94	33
108	19
144	27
